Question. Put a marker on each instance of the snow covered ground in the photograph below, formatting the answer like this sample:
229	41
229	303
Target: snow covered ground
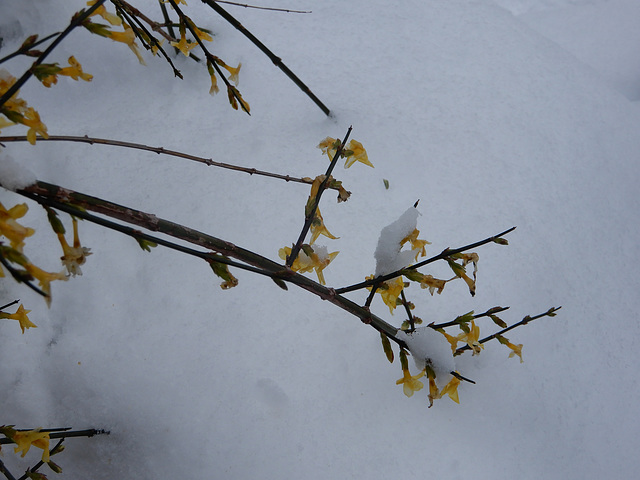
492	113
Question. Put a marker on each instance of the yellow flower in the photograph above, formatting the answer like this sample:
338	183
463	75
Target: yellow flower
389	291
329	146
451	389
73	256
102	11
128	37
234	72
75	71
184	45
318	228
11	229
318	260
433	391
410	384
432	283
32	120
517	350
359	154
38	439
203	35
472	338
21	317
44	279
452	340
416	244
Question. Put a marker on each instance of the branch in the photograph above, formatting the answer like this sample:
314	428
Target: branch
148	221
262	8
277	61
310	215
491	311
162	150
75	21
444	254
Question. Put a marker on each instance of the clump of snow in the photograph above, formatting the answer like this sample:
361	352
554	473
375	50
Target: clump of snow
427	346
14	176
388	254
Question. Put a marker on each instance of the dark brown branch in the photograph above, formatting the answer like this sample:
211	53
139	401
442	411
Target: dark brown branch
277	61
491	311
262	8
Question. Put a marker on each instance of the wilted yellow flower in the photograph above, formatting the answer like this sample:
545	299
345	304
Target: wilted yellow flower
102	11
318	261
433	391
329	147
38	439
416	244
234	72
451	389
318	228
432	283
359	154
11	229
74	70
32	120
410	384
21	317
44	279
472	338
73	256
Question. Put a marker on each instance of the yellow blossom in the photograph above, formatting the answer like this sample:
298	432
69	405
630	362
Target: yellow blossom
329	147
32	120
129	38
451	389
318	228
102	11
25	439
74	70
73	256
44	278
389	291
203	35
410	384
452	340
432	283
21	317
416	244
184	45
11	229
318	260
234	72
433	391
359	154
472	338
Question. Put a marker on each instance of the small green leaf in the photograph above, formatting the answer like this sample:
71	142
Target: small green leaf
498	321
413	275
403	359
386	183
500	241
386	346
146	244
280	283
55	467
54	221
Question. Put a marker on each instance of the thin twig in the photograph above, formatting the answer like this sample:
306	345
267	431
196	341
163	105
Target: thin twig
491	311
75	21
524	321
164	151
9	304
444	254
263	8
210	57
24	49
405	303
273	57
310	215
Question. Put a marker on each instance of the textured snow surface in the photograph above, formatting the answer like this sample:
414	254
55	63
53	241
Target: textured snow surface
467	105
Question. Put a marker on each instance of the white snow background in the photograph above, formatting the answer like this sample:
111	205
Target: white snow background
494	114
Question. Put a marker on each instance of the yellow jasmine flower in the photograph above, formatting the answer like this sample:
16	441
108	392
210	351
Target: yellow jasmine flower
318	228
416	244
44	279
517	350
318	260
156	47
202	35
21	317
358	154
38	439
11	229
433	391
102	11
129	38
32	120
389	291
184	45
410	384
234	72
432	283
329	146
75	71
451	389
73	256
452	340
472	338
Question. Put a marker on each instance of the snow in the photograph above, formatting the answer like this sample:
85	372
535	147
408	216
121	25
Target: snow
469	106
13	175
388	254
428	346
